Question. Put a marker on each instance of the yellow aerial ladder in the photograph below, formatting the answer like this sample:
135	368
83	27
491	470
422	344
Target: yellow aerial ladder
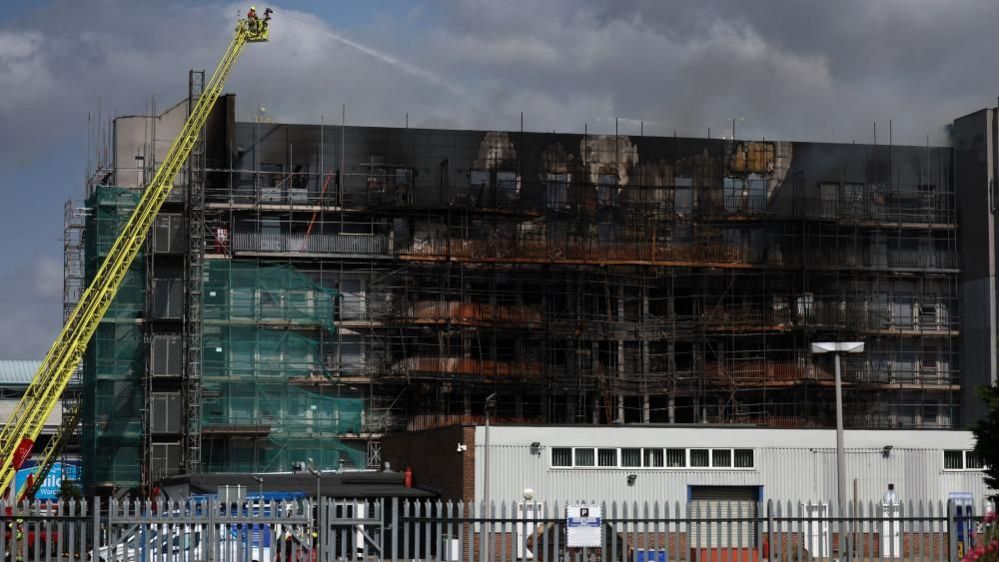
22	428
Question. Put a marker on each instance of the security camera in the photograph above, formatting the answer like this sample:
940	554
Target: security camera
462	447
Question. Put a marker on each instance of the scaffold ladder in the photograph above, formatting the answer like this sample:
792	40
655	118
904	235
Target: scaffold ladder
42	396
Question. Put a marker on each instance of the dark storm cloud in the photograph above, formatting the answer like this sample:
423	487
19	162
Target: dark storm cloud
792	69
785	68
817	70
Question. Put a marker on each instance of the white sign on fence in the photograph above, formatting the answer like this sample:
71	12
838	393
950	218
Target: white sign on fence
582	523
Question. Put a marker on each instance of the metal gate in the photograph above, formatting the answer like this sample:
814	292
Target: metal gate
46	531
351	528
204	529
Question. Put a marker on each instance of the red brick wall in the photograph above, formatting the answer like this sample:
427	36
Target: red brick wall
868	545
433	455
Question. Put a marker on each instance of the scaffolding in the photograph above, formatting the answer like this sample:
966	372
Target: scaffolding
114	365
268	332
339	283
603	278
74	275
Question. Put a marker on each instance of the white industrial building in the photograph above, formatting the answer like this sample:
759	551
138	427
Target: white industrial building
642	463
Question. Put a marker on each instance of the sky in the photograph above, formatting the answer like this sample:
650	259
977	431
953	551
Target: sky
787	69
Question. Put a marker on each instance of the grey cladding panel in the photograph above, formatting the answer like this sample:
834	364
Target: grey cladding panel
165	459
168	298
169	234
166	356
165	413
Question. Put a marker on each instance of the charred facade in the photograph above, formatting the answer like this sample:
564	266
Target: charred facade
583	278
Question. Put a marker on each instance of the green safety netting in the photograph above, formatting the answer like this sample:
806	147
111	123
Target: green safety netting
247	386
283	408
265	294
262	328
113	366
252	353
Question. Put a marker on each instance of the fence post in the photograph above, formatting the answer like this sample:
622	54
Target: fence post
770	530
321	525
394	516
952	531
211	506
96	506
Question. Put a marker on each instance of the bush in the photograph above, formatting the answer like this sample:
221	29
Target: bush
68	491
986	547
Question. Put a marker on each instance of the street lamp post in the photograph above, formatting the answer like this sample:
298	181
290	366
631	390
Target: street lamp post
318	476
490	405
260	488
837	349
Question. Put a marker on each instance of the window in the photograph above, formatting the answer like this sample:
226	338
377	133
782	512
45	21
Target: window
631	457
721	458
272	175
735	193
744	458
584	457
902	310
828	198
972	462
607	190
699	458
561	456
607	457
403	179
654	458
478	179
962	460
557	191
683	194
953	460
299	181
676	458
506	183
853	201
757	192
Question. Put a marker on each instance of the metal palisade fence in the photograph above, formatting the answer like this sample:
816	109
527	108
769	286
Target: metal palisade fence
393	529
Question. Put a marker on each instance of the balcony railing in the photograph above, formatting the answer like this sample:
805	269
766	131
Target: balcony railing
583	250
882	257
852	314
925	209
461	366
472	313
759	374
312	244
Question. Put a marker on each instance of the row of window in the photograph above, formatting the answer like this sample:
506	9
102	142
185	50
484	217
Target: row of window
962	460
649	457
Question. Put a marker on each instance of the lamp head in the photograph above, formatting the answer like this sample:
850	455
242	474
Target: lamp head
838	347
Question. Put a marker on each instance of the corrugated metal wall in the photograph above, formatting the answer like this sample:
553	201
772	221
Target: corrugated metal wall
794	474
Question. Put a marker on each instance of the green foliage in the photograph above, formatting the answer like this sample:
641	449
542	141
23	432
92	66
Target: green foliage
987	435
68	491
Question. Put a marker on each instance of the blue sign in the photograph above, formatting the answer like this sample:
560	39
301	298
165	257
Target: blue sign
50	487
651	556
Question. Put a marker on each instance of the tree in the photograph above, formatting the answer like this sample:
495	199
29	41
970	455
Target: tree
987	435
68	491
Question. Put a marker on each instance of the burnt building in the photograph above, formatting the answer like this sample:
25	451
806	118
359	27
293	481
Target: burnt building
310	288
